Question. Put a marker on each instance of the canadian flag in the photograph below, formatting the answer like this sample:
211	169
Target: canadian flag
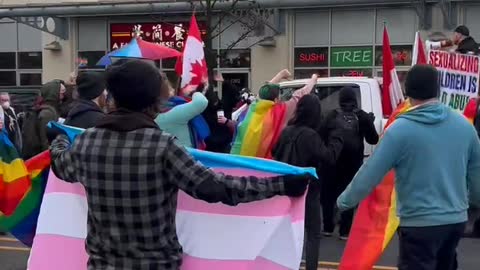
192	66
392	94
419	55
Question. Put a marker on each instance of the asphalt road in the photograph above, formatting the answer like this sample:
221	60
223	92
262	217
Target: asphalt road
13	256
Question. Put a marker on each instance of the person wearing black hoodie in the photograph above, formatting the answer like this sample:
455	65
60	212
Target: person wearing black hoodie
301	145
356	126
86	111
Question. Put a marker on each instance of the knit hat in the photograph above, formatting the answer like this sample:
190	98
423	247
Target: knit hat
422	82
135	85
90	85
462	29
269	91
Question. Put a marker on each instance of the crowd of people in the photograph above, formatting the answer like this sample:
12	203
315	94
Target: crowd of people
132	159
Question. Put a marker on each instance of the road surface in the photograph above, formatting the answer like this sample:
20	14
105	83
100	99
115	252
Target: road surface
13	256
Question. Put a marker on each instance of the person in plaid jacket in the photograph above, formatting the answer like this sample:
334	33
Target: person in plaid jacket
132	171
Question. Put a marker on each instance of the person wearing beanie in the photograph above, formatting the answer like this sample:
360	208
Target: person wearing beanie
132	172
86	110
465	43
264	110
356	126
435	153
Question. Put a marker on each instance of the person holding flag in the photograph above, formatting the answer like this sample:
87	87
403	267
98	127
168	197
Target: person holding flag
436	175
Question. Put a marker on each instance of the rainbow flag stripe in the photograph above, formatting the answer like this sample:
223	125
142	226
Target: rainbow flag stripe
471	110
259	131
376	220
21	190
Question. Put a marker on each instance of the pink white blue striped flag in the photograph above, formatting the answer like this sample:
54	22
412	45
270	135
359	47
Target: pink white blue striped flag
265	235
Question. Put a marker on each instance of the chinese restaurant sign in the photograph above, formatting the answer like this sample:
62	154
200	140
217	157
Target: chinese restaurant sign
402	55
458	75
311	57
171	35
351	56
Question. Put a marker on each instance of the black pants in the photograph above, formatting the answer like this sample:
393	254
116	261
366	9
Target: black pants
313	226
329	202
429	248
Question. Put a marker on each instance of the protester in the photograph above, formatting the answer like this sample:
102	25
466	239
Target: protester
267	117
132	172
11	122
435	153
87	108
221	127
176	120
465	43
301	145
357	126
46	108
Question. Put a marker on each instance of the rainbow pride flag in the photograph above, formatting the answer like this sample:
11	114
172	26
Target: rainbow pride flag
471	110
260	129
273	228
376	220
21	190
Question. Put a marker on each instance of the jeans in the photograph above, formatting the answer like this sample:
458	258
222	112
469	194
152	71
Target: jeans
429	248
313	225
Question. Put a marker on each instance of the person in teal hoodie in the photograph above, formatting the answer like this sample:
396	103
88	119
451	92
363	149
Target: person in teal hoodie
176	121
436	156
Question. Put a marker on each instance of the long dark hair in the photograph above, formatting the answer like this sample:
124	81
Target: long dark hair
308	112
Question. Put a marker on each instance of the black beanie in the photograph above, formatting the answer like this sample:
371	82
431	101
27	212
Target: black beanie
462	29
90	84
422	82
134	85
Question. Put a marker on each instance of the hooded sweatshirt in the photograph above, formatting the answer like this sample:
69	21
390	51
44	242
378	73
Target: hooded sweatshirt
48	110
84	114
468	45
436	156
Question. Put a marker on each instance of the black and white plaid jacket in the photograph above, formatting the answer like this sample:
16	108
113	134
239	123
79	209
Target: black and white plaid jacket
131	180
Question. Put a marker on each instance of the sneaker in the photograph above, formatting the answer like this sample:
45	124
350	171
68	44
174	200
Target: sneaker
343	237
327	234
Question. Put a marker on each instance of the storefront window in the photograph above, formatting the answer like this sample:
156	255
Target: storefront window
89	60
30	79
402	55
30	60
307	73
235	58
351	56
8	78
351	72
7	60
311	57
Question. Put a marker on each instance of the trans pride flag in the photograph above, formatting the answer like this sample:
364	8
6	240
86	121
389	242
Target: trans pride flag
260	235
21	190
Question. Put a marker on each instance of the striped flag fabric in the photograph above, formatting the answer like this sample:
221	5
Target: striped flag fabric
259	235
392	94
419	55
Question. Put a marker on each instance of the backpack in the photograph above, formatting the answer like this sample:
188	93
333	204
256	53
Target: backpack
31	132
350	125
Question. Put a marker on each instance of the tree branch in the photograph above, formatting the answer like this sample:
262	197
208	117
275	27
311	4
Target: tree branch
232	7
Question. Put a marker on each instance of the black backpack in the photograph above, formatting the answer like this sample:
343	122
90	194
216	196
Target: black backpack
350	125
31	132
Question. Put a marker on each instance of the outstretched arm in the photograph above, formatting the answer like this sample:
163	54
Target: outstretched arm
62	162
204	184
284	74
185	112
297	95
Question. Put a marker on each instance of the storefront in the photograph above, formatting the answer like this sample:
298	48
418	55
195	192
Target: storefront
343	42
20	55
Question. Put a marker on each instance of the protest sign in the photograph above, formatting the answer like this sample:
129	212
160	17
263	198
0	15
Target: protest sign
458	77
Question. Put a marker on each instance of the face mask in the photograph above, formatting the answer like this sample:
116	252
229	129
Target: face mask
6	105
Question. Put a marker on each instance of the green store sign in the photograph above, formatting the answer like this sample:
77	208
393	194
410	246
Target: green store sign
351	57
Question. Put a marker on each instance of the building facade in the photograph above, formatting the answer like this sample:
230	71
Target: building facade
331	38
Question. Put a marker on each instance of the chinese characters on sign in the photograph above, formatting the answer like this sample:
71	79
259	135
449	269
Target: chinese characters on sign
171	35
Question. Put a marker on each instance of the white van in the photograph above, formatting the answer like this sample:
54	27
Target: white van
327	89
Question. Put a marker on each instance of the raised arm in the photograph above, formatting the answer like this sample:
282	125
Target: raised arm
297	95
185	112
284	74
204	184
